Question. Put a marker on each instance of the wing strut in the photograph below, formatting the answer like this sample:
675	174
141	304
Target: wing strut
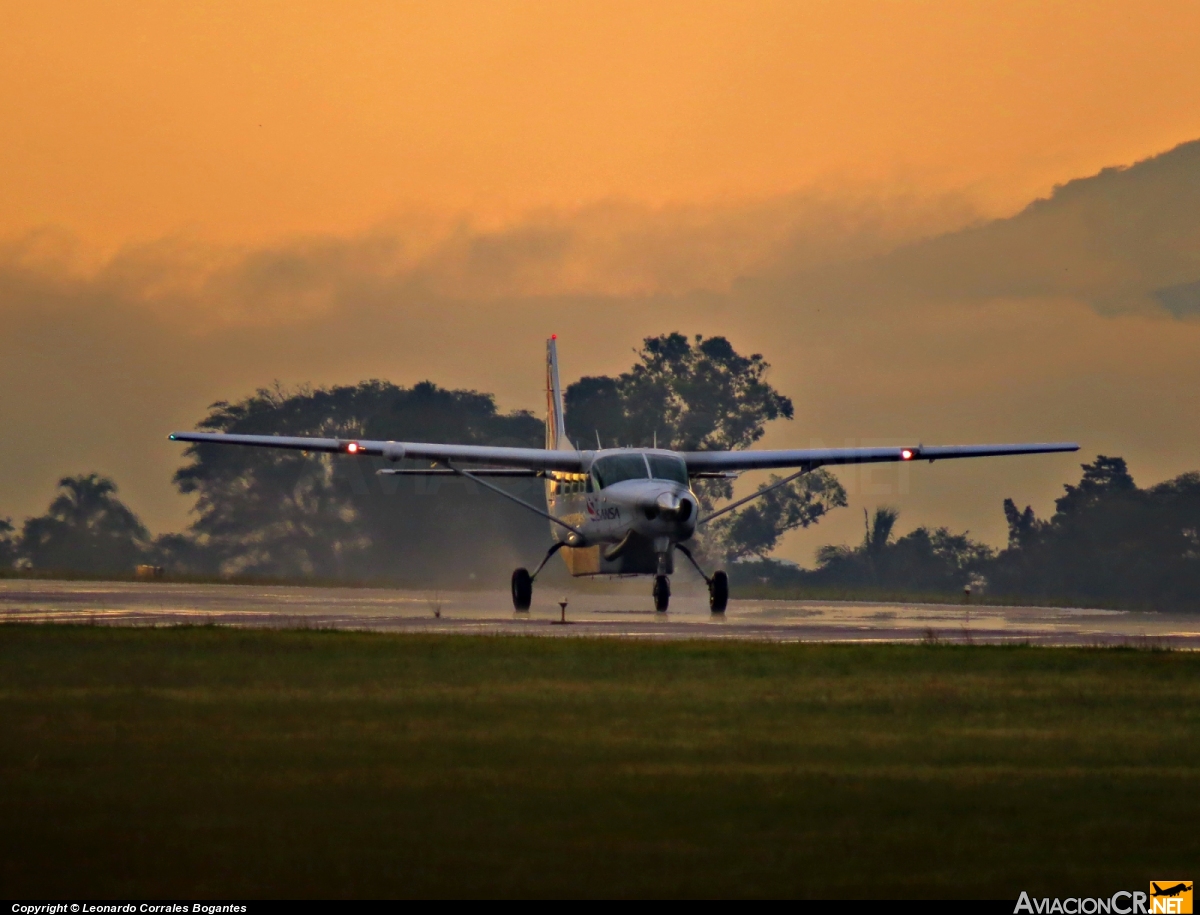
508	495
750	498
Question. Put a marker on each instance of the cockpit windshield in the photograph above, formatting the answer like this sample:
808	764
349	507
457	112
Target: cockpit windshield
665	467
618	467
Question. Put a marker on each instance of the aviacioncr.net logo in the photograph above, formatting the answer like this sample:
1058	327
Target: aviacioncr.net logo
1166	897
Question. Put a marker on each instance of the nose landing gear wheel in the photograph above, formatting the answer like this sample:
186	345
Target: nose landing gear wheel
718	592
522	589
662	592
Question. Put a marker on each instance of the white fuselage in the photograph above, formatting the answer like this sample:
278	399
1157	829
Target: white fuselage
612	498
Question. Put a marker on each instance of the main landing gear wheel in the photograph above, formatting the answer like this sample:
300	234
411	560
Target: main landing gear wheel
522	589
662	592
718	592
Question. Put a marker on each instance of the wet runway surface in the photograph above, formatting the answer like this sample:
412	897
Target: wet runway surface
619	614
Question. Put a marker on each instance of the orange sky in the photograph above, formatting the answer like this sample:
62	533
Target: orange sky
244	122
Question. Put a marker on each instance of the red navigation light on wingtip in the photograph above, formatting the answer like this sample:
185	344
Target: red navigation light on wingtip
906	454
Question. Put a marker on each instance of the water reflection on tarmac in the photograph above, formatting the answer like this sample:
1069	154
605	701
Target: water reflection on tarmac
617	614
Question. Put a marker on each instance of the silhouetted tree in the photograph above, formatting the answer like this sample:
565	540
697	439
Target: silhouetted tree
86	529
1107	541
595	412
755	530
849	565
879	532
181	554
8	545
281	513
701	395
921	561
698	395
1023	527
1102	479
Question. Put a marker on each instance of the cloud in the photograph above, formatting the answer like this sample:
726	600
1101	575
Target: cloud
1182	300
611	249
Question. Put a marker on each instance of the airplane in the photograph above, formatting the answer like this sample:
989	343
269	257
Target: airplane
1170	890
615	511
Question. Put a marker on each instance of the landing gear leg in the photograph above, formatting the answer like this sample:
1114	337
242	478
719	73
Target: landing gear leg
558	545
718	585
522	581
662	593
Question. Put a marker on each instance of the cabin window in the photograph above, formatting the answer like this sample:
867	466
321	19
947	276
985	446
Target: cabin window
568	484
666	467
618	467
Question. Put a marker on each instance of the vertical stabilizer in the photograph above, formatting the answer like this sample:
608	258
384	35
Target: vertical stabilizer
556	435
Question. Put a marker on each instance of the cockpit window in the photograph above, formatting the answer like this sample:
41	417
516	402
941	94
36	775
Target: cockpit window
618	467
665	467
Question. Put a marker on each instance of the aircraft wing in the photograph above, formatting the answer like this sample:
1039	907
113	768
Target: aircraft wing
715	461
526	458
572	461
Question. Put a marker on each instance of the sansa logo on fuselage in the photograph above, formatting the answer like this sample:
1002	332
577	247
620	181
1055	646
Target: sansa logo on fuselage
603	512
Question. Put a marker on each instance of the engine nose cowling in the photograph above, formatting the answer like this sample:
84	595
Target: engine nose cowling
674	507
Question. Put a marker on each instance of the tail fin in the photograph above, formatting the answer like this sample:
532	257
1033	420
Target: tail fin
556	434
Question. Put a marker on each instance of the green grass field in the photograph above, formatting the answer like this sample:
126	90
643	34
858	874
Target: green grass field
216	762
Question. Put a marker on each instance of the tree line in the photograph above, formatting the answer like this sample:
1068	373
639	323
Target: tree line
282	514
1108	542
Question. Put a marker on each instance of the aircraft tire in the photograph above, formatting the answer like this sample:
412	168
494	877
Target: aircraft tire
718	592
662	593
522	589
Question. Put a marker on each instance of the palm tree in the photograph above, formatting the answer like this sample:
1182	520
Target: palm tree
87	528
879	530
877	537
